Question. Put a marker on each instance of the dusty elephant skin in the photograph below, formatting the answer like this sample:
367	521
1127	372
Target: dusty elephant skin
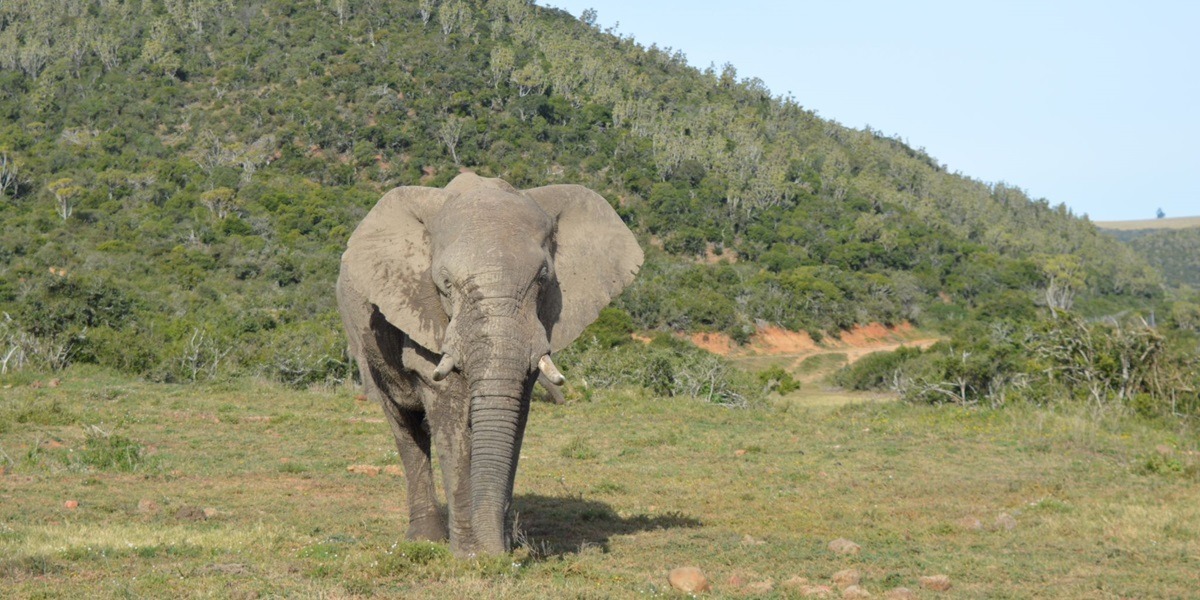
453	301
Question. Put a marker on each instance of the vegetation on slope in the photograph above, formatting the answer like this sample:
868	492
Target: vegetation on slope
178	180
1173	252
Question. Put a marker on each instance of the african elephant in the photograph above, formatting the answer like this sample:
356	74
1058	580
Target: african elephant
453	301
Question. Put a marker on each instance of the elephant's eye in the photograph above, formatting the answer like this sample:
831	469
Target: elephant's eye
543	275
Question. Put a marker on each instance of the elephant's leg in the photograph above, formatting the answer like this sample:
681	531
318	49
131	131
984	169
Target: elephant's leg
454	454
447	416
425	521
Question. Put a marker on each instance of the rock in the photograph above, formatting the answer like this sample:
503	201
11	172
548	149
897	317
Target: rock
394	470
761	587
371	470
146	505
937	583
688	579
816	591
854	592
71	504
900	593
844	546
795	583
970	524
1006	522
846	578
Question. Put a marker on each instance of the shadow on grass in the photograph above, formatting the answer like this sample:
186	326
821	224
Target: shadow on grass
562	525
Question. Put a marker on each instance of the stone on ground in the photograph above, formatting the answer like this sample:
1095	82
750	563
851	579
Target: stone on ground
937	583
846	578
844	546
688	579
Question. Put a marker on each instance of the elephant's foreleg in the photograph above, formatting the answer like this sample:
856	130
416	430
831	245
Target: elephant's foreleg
425	521
454	455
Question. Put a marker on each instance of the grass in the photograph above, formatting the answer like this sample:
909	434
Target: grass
241	490
1165	223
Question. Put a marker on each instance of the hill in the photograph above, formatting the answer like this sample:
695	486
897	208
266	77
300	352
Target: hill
1150	224
179	178
1173	252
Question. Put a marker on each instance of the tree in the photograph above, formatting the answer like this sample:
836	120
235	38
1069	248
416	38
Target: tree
1160	214
9	173
65	191
220	201
1064	278
159	51
450	132
501	64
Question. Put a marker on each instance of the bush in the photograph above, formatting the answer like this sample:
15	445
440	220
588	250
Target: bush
666	367
111	452
875	371
776	379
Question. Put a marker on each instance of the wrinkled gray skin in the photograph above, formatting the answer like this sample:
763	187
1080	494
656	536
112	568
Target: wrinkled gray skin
478	282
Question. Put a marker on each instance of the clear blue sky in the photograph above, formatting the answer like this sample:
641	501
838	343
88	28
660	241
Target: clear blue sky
1095	104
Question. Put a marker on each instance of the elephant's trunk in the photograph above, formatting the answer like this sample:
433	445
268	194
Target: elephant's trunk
500	381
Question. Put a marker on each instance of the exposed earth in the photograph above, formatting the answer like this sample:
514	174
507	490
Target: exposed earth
807	359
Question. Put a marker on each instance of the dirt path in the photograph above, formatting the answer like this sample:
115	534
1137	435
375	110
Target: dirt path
790	349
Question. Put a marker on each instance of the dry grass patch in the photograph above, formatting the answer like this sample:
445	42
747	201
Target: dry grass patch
612	495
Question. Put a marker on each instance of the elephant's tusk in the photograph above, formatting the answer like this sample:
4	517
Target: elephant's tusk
444	367
546	366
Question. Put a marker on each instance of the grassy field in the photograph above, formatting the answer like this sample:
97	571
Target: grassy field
1166	223
248	490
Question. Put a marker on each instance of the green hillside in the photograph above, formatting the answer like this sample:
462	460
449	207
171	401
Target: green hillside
1174	252
178	180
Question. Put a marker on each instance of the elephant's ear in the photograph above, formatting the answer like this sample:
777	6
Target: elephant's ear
595	257
387	261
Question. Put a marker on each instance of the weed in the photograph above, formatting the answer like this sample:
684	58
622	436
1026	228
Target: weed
405	556
110	452
579	449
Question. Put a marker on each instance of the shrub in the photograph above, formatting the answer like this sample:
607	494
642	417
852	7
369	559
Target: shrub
665	367
776	379
875	371
111	452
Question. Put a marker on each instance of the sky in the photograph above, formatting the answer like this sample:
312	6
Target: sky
1095	104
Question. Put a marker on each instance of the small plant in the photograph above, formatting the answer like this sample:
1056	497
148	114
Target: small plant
107	451
579	449
405	556
776	379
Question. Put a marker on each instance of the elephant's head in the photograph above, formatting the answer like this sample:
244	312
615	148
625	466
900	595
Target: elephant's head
493	279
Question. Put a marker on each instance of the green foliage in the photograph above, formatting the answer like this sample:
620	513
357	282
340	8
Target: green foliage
1174	252
614	327
1108	365
111	452
666	367
776	379
195	233
407	555
875	371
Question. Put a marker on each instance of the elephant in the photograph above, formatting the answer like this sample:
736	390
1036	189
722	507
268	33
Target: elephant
453	301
